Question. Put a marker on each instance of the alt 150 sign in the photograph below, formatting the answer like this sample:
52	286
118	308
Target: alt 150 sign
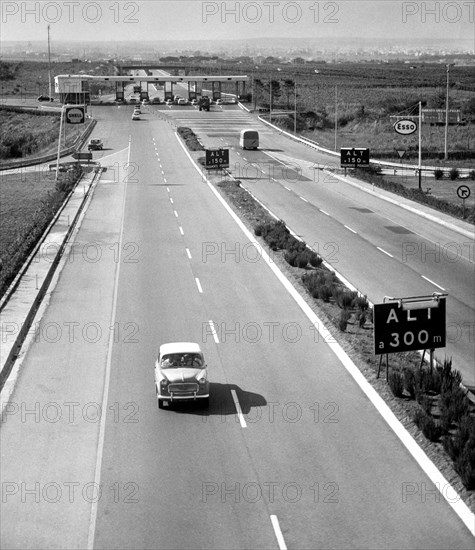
397	329
217	158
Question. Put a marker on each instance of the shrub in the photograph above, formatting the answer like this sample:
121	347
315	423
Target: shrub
302	260
361	303
453	405
427	424
345	298
325	293
343	321
258	229
395	381
291	258
438	174
471	174
361	319
454	173
314	259
465	465
409	382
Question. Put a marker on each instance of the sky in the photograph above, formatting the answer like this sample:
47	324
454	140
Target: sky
104	20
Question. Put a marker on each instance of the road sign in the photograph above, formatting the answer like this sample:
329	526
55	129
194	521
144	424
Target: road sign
356	156
82	156
401	152
399	327
217	158
463	192
75	115
405	126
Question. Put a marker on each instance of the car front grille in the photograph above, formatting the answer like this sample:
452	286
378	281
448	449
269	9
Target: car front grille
183	387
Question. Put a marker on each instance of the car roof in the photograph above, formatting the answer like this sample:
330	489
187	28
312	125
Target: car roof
179	347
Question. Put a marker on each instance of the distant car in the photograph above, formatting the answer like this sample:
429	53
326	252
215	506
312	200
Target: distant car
220	102
133	100
181	374
95	145
145	101
137	110
169	102
44	98
156	101
182	101
194	102
136	116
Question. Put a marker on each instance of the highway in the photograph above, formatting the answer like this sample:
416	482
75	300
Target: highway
310	463
353	230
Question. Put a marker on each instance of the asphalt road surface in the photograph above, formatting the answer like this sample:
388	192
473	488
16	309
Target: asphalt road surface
310	462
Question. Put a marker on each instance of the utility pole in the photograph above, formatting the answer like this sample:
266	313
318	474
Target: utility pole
446	154
295	107
49	65
336	114
420	145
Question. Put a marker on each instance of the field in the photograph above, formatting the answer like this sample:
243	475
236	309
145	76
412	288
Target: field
364	97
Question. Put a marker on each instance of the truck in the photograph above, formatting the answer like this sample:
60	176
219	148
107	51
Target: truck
204	103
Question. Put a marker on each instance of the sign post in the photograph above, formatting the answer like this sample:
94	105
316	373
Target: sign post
409	324
353	157
463	192
217	158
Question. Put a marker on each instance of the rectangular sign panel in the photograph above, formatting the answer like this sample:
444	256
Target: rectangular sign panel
396	329
217	158
354	156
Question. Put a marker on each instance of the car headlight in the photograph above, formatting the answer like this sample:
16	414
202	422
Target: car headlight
163	383
202	380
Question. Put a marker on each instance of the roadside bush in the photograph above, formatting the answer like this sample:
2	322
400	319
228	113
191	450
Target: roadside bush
438	174
345	316
453	406
471	174
314	259
344	298
396	383
454	173
325	293
409	382
302	260
291	258
465	465
427	424
361	303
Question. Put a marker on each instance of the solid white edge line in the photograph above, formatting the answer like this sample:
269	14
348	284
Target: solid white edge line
384	252
198	284
426	464
349	229
432	282
105	394
278	533
213	331
188	253
238	409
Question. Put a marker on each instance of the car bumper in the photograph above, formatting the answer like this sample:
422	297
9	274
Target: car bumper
182	397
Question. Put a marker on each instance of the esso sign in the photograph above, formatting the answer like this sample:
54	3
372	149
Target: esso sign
405	127
75	115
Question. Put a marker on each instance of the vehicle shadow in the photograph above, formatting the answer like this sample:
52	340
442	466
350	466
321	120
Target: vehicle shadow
221	402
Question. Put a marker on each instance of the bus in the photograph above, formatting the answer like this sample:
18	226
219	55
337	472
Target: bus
249	139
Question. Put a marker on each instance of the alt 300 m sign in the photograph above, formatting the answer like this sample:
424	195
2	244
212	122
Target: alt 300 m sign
397	329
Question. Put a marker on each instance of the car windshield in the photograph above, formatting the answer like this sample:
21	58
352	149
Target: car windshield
180	360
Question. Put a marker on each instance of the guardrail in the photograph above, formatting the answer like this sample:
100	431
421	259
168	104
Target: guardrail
389	164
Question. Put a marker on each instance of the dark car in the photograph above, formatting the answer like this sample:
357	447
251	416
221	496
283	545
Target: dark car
45	98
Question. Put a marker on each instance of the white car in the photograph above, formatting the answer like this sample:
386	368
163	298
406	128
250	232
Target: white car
182	101
136	116
194	102
181	374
